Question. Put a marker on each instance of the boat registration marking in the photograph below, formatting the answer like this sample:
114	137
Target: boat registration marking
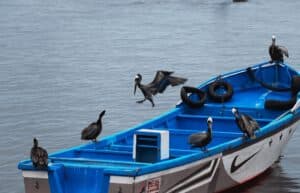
153	185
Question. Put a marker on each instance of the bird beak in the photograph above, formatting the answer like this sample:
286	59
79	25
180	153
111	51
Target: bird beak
135	85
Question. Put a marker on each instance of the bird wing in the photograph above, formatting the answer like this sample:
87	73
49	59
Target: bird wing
162	80
42	153
174	81
33	156
249	130
252	122
159	82
42	157
170	80
284	50
270	50
197	138
240	124
89	132
160	75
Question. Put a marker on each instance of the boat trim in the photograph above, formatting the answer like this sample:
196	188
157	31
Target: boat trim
201	178
130	180
35	174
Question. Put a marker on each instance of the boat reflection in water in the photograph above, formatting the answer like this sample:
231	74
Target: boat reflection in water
272	180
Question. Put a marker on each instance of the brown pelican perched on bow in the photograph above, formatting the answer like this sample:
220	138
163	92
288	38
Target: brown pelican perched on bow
158	85
202	139
39	156
277	52
92	131
246	123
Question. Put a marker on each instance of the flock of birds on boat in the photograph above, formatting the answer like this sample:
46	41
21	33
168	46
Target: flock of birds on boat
162	80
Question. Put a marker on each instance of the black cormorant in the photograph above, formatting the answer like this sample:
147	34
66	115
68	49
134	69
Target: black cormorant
39	156
92	131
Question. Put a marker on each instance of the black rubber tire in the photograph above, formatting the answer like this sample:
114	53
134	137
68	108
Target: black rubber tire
270	87
280	105
193	104
295	85
285	105
220	98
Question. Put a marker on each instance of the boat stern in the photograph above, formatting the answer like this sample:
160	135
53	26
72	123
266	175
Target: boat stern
36	181
61	178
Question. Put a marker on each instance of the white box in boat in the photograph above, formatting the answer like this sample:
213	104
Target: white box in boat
150	145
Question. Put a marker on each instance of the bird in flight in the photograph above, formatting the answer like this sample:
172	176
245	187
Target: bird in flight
159	84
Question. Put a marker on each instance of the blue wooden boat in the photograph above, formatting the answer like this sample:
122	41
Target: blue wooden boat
159	155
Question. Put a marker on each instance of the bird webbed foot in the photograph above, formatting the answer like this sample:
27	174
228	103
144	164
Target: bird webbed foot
141	101
152	103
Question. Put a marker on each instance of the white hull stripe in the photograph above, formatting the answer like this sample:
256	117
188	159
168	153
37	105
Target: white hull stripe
190	184
206	181
130	180
35	174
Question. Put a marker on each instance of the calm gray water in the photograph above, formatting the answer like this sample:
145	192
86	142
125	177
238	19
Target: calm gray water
62	62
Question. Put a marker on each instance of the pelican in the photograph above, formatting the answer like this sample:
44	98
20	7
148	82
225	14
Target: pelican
277	52
245	123
159	84
203	138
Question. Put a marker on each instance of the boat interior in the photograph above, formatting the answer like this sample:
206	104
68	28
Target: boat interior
180	127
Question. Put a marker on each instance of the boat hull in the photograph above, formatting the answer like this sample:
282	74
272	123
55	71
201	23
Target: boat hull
213	174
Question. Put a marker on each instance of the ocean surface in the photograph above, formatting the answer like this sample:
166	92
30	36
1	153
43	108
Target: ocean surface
62	62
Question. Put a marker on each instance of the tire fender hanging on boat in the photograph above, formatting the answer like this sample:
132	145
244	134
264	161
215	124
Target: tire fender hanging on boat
262	83
185	90
285	105
223	97
295	85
